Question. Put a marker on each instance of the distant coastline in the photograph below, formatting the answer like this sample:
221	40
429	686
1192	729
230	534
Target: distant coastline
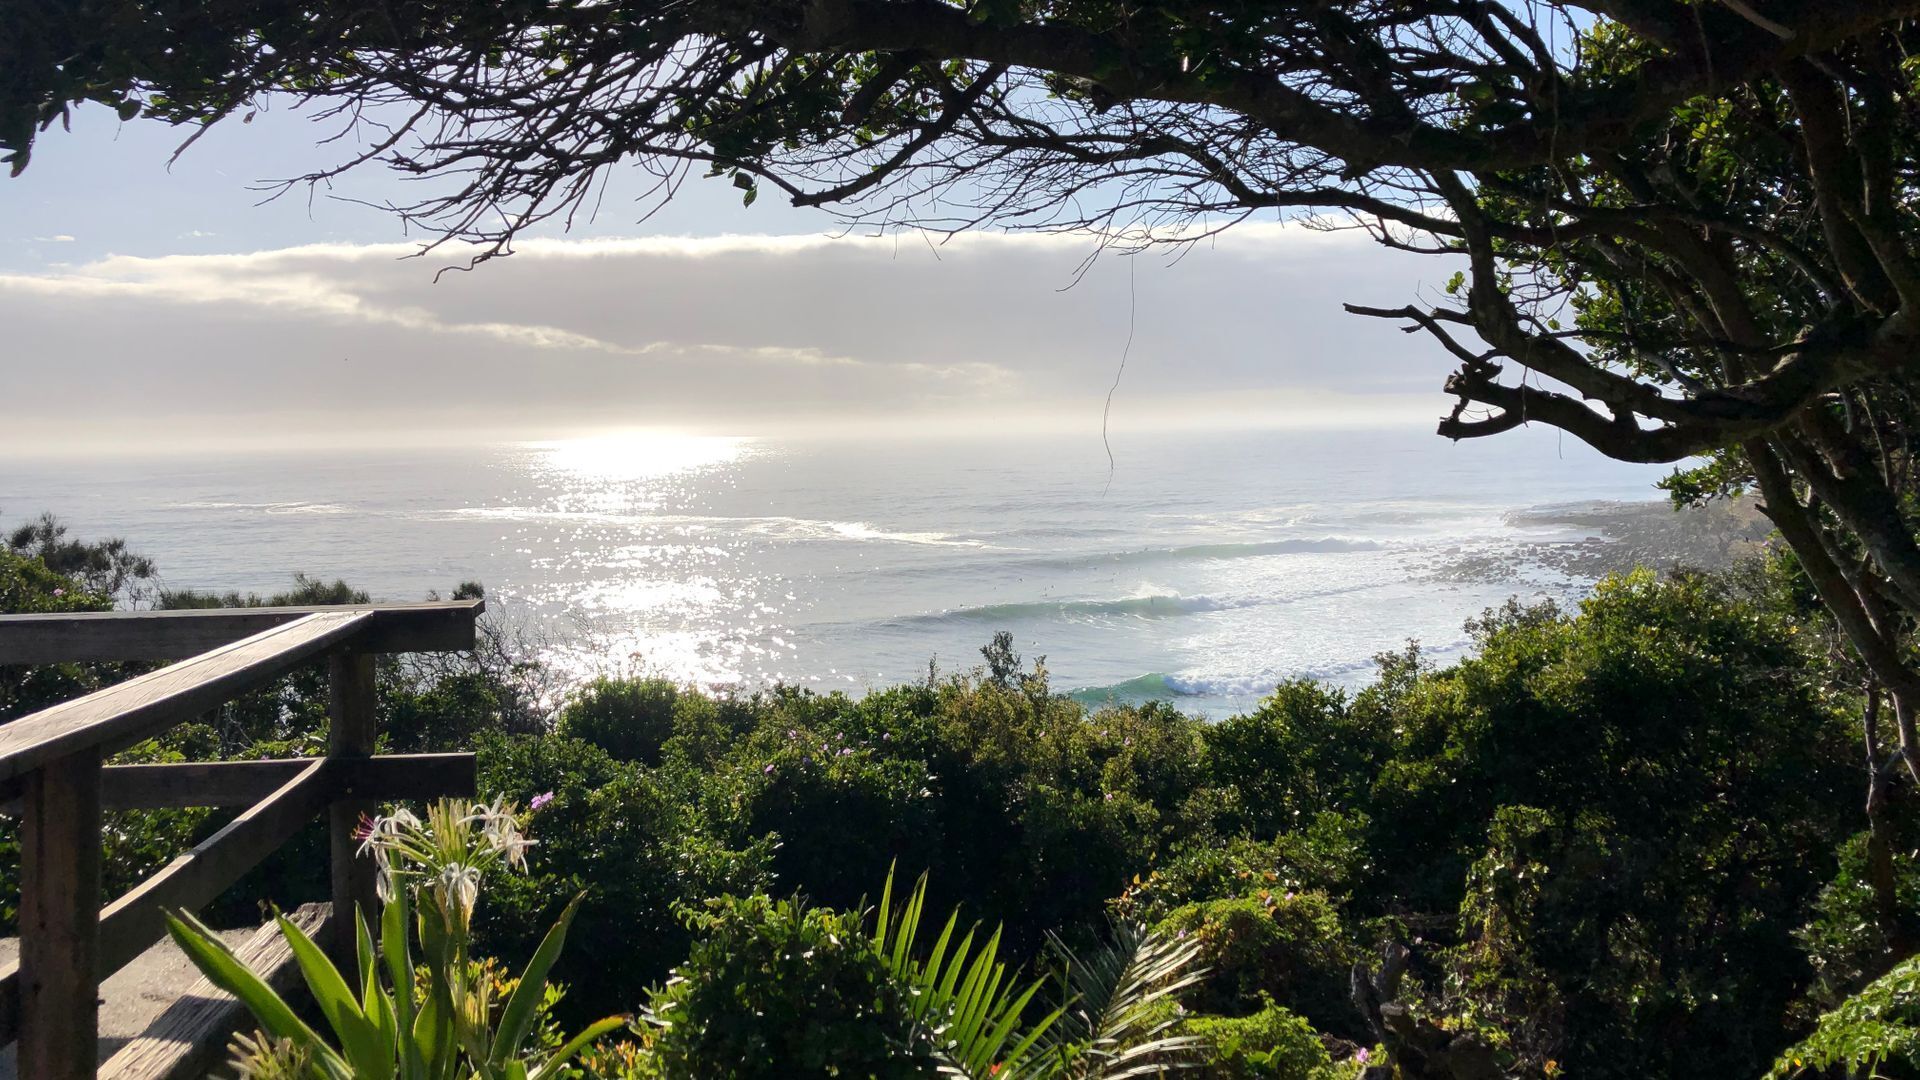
1620	536
1579	543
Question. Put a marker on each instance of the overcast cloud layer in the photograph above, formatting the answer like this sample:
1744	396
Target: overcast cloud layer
739	334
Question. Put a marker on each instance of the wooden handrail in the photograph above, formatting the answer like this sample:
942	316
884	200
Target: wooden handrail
131	924
52	770
123	714
73	637
179	784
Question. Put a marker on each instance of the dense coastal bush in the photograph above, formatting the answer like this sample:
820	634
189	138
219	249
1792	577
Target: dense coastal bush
1622	841
777	988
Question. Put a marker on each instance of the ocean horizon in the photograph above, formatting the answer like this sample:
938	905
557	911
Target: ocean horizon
1202	568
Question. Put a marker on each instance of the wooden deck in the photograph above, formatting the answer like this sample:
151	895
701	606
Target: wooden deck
54	777
151	1027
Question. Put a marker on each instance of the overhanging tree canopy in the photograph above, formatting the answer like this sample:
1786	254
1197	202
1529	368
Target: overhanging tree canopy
1688	225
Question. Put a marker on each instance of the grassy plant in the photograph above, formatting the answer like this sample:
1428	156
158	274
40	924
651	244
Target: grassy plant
396	1022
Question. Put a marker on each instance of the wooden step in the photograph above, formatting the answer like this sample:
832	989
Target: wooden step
189	1039
160	1019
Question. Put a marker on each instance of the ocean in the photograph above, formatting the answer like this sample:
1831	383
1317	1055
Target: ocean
1202	568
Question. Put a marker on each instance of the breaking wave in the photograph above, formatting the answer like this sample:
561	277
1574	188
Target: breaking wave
1156	606
1201	552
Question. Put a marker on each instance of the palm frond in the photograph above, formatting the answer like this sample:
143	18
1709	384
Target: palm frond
1113	1027
967	1002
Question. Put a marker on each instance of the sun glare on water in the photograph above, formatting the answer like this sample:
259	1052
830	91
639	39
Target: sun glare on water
640	455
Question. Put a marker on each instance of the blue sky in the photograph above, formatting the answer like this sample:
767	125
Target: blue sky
186	306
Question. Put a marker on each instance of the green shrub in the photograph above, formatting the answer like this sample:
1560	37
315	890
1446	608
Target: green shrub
1844	938
1274	944
1878	1027
1306	750
627	839
446	714
28	587
1328	856
1272	1044
631	719
1697	780
842	813
777	989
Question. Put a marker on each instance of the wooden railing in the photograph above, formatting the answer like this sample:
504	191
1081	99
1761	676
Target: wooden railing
54	777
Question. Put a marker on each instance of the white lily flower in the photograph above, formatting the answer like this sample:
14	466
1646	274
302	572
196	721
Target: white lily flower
459	885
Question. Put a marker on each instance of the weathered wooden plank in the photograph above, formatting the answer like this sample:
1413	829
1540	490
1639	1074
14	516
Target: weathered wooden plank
353	698
135	921
442	626
396	776
189	1040
243	783
138	708
58	985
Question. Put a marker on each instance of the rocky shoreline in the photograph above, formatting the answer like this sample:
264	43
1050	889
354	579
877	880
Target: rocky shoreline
1595	539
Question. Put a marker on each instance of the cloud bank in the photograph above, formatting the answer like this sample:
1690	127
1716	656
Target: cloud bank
735	333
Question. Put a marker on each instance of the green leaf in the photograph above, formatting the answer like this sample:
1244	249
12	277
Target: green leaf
375	1005
370	1060
517	1019
576	1044
224	969
397	951
433	1028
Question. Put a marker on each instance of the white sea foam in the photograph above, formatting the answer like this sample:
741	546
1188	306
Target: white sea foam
268	507
1223	564
784	528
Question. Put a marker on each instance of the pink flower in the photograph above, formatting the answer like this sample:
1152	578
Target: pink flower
59	592
769	769
540	801
1361	1055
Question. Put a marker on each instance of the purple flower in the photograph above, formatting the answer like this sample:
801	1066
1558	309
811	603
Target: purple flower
769	769
1361	1055
540	801
59	592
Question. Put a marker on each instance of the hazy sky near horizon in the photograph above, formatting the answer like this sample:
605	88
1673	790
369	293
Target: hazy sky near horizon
144	306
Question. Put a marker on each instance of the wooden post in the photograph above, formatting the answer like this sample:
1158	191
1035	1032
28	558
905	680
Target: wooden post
60	919
350	734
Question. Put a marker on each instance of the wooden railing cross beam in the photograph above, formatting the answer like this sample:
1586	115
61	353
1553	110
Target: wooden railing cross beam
51	774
